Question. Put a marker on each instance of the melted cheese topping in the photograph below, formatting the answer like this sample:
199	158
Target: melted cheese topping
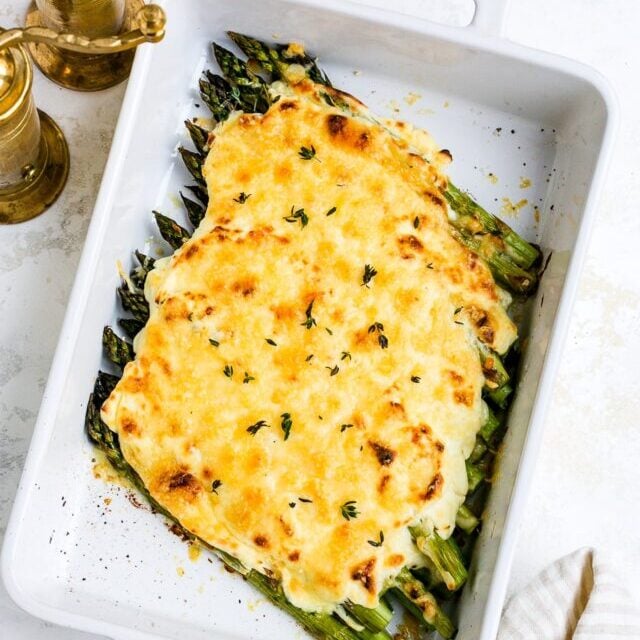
261	325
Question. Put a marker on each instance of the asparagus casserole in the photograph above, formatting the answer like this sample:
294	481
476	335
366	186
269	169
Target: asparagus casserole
319	372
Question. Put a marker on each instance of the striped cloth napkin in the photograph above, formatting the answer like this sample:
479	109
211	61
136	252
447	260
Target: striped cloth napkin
577	598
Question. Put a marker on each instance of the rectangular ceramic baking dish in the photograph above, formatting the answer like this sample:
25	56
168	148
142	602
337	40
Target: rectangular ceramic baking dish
521	125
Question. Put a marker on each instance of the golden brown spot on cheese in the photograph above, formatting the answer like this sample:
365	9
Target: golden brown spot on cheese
336	124
486	334
434	487
294	556
129	426
286	527
362	141
184	482
384	454
191	251
395	560
283	173
455	377
261	541
207	473
382	485
463	397
288	105
363	573
246	286
435	199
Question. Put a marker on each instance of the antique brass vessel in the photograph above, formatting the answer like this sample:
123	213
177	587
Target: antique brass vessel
34	158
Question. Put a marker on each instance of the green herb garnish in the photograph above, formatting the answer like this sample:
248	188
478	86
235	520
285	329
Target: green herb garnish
333	370
228	370
345	355
368	275
214	343
308	153
415	379
247	378
378	542
254	428
331	211
215	485
286	424
349	510
297	214
416	222
271	342
242	198
310	321
344	427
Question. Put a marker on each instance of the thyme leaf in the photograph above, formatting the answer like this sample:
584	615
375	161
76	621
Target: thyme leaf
378	542
368	275
254	428
308	153
286	424
333	370
349	510
242	197
310	321
215	485
297	214
214	343
228	371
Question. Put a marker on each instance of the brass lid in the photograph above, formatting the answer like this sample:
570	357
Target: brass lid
15	80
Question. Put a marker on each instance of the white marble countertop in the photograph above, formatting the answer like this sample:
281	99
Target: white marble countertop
586	486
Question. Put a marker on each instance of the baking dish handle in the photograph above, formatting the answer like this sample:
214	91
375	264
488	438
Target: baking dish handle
490	17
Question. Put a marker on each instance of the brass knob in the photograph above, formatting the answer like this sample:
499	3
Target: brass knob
34	158
112	27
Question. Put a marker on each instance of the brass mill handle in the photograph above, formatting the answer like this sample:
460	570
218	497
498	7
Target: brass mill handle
151	21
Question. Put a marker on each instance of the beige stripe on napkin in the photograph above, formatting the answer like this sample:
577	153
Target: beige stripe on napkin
577	598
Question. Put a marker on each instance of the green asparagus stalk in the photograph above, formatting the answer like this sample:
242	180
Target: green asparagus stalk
502	267
479	449
415	597
374	619
466	519
116	349
489	428
171	231
131	326
254	97
443	555
220	96
494	371
277	59
199	136
193	161
195	211
134	302
199	192
519	250
500	396
475	475
105	384
139	274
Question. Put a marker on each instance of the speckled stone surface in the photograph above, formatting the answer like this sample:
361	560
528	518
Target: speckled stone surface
586	486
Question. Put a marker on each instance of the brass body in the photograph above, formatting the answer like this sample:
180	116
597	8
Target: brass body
89	18
34	158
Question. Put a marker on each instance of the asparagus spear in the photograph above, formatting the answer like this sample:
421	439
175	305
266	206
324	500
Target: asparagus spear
116	349
131	326
500	396
254	97
374	619
195	211
134	302
466	519
443	555
171	231
193	161
199	192
276	59
421	603
475	475
521	252
221	97
199	136
490	427
105	384
494	371
139	274
479	449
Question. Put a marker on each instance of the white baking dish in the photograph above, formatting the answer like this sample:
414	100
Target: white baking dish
113	569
